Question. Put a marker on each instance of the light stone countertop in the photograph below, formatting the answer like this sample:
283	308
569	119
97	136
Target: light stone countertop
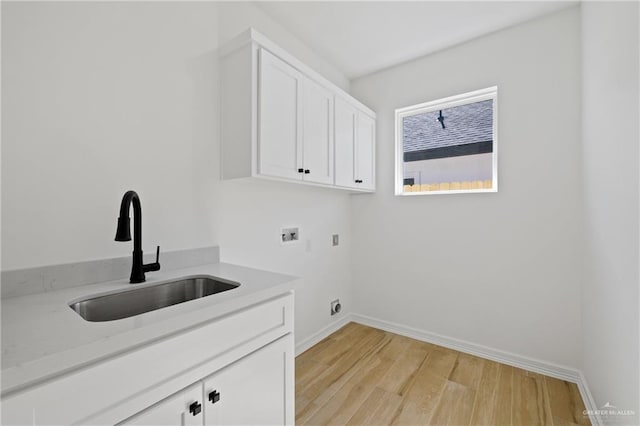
42	337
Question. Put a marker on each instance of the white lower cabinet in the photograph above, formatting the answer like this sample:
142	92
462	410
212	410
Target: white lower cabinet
255	390
246	356
252	391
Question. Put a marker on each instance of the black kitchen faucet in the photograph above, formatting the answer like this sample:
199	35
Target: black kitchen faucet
123	233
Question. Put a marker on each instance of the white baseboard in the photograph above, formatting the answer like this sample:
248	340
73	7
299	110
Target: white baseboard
321	334
589	402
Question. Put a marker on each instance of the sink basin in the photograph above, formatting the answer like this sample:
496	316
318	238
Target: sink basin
137	301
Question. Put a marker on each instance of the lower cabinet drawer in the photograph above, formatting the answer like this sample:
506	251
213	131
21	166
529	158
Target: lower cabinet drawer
119	387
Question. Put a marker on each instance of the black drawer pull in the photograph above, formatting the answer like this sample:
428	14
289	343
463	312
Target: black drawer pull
358	181
300	170
214	396
306	172
195	408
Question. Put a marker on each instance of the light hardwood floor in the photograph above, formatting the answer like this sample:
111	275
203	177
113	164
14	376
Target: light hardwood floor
364	376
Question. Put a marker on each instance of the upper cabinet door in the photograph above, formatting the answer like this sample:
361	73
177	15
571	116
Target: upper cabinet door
345	140
279	118
365	151
317	133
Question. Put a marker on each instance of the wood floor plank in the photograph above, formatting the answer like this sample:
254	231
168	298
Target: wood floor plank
426	389
363	361
467	370
485	404
348	399
566	402
396	348
409	414
361	375
335	376
307	370
455	405
379	408
339	347
316	349
348	330
530	401
399	377
504	396
341	359
304	409
441	361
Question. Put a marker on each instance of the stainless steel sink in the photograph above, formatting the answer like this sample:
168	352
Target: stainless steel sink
137	301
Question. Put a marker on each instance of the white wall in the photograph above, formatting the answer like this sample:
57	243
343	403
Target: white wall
610	136
499	269
253	212
99	98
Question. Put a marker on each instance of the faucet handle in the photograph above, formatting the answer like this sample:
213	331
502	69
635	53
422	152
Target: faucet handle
155	266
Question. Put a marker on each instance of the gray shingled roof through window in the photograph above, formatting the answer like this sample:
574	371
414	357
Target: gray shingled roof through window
464	124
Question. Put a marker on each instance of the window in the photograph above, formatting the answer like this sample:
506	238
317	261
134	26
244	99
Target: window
448	145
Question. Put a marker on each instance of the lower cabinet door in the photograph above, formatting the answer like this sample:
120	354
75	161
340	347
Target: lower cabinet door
256	390
182	409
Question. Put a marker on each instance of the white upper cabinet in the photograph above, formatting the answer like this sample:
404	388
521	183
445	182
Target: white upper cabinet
365	151
282	120
295	123
317	134
354	147
345	143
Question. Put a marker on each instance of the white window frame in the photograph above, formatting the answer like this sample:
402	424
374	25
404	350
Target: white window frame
451	101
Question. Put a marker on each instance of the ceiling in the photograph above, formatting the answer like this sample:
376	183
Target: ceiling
361	37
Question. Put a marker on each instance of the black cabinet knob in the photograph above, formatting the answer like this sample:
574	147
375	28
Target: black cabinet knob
306	172
358	181
214	396
300	170
195	408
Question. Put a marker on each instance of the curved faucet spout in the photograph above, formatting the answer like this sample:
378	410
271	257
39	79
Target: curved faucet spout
123	233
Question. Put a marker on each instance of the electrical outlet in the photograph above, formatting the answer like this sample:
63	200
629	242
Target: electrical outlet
336	307
335	239
289	235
